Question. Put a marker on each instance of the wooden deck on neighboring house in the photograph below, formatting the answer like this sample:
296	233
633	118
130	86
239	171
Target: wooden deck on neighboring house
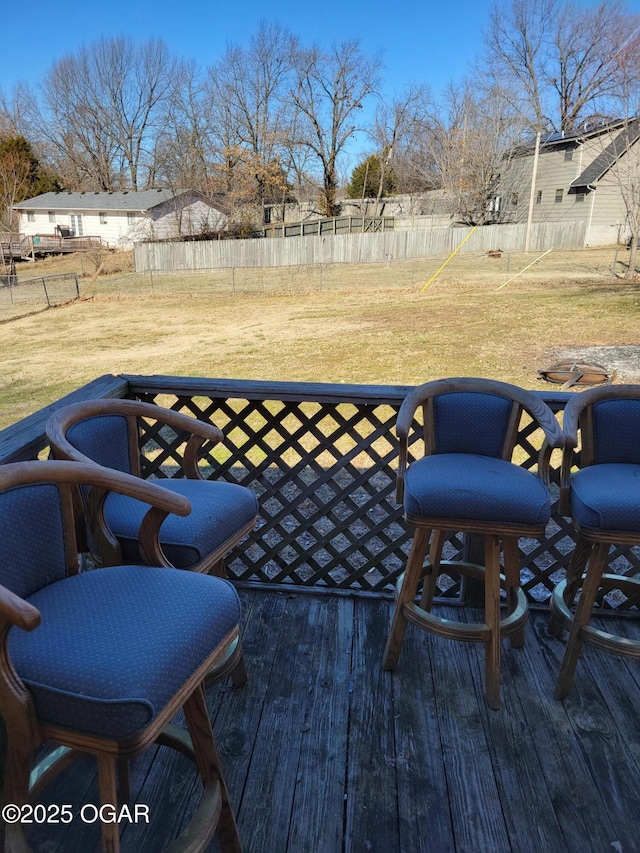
324	752
18	247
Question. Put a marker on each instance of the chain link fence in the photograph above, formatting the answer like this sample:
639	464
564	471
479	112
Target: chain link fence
19	297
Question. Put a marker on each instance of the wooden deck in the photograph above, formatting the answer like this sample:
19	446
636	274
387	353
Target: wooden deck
324	752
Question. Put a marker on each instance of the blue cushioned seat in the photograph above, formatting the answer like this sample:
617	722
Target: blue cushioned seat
607	497
218	511
475	488
116	644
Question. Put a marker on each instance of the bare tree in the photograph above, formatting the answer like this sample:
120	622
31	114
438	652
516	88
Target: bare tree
185	154
623	153
330	89
627	178
468	141
558	60
105	107
394	125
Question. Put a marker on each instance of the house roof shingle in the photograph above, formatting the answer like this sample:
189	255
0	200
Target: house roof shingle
126	201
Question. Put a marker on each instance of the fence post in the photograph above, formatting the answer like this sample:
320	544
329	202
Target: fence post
75	275
44	285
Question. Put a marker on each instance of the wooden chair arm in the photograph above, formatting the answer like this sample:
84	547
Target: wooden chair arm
65	417
16	611
564	505
408	410
105	480
90	474
403	456
544	463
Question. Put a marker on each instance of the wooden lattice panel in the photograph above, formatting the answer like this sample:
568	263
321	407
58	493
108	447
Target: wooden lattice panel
324	472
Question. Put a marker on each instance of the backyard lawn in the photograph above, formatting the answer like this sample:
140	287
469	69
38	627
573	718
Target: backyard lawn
364	327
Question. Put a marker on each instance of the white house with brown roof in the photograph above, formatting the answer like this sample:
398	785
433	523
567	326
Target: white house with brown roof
583	175
120	218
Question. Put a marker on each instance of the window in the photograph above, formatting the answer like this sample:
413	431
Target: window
52	216
31	217
539	197
131	219
559	194
568	153
103	218
580	197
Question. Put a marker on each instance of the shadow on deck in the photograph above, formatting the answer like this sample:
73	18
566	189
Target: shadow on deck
324	752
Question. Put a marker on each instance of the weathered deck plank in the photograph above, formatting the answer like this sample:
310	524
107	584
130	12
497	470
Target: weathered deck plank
326	753
371	818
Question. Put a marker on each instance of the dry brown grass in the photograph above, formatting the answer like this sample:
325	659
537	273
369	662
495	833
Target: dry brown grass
365	328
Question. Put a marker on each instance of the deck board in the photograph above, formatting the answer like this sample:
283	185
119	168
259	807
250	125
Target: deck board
324	751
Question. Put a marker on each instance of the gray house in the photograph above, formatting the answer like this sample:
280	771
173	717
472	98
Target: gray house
120	218
591	175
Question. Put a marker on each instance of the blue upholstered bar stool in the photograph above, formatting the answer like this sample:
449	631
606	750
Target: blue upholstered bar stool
100	662
603	498
467	482
222	513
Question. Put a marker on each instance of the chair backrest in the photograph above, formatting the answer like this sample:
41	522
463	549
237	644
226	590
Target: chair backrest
472	422
611	432
105	440
34	538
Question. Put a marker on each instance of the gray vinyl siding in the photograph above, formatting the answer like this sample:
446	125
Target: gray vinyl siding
554	173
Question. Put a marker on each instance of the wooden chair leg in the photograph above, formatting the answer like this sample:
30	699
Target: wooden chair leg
206	755
219	569
124	782
16	791
512	575
492	619
239	674
407	593
597	563
579	560
430	584
108	796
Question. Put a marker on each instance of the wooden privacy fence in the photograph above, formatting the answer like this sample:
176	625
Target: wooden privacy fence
322	460
352	248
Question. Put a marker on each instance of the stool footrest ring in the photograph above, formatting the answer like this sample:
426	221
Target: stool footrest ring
601	639
472	632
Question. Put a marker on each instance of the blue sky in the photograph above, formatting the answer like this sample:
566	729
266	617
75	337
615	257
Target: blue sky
421	42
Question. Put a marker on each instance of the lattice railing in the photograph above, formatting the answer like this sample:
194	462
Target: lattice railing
323	460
